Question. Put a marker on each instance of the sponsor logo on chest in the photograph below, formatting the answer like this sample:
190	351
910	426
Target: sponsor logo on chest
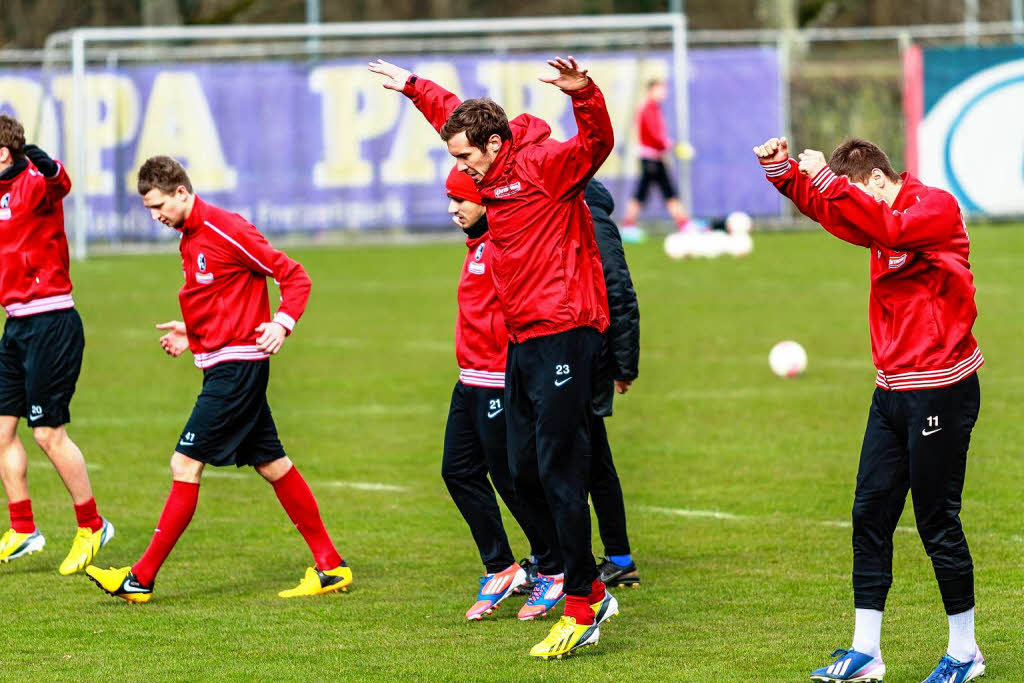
476	266
507	190
898	261
5	207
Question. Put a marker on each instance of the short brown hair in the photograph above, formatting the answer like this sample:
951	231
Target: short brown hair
857	158
653	82
163	173
480	118
12	136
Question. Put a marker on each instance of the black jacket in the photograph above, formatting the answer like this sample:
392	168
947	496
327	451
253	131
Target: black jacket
621	353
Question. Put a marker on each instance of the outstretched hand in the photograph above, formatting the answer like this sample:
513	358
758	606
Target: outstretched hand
396	76
175	341
570	75
811	162
772	151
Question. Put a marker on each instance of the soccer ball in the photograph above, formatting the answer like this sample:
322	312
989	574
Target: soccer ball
787	359
677	245
738	222
740	243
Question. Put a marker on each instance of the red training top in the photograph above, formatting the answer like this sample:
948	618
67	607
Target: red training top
651	131
546	266
224	298
921	308
34	261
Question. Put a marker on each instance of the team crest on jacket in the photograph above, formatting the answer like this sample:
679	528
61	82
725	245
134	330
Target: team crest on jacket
201	262
479	253
5	207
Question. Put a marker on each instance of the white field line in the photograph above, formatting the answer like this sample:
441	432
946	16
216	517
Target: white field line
46	463
715	514
373	486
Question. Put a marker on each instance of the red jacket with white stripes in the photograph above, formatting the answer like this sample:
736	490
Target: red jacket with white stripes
34	261
921	308
226	262
481	340
547	268
651	131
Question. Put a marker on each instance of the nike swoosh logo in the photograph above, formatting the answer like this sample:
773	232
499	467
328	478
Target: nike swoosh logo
491	416
128	588
186	443
925	432
559	383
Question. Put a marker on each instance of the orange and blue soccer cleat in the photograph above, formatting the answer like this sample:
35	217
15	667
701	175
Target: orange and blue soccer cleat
493	589
547	592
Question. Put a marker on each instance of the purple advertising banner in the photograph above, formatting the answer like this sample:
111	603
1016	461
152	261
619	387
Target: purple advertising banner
314	146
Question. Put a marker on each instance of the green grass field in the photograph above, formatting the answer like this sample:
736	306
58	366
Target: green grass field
759	592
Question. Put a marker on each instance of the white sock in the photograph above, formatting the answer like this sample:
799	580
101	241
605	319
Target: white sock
962	646
867	634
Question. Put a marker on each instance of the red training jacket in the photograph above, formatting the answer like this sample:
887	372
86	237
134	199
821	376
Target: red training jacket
546	265
224	298
651	132
34	262
921	308
481	340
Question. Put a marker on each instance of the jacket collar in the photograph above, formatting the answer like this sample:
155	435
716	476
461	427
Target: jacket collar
13	171
195	219
909	193
497	168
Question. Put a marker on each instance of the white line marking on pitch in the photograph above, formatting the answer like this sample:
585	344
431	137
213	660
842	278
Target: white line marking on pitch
715	514
366	486
680	512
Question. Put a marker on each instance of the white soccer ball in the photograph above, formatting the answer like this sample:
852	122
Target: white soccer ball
711	244
676	245
738	222
787	359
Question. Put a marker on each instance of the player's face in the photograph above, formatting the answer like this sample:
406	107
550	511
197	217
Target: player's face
465	214
169	209
471	160
658	92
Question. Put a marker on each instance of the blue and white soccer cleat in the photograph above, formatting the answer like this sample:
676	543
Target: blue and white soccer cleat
851	666
951	670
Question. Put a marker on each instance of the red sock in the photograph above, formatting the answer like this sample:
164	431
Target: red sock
298	501
178	511
578	606
87	516
596	592
21	516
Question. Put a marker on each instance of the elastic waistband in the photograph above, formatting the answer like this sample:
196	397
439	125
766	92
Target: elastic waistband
211	358
44	305
482	378
931	379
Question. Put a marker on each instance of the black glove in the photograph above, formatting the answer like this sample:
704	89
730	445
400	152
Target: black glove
42	160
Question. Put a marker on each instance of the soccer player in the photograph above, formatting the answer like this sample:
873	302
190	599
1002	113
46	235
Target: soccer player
41	349
921	312
547	271
475	434
653	145
617	370
227	325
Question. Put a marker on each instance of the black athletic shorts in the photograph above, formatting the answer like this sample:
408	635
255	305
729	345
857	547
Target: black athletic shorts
40	358
653	171
231	423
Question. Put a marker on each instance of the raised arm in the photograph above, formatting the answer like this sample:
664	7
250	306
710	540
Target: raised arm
931	223
784	174
566	167
58	183
434	102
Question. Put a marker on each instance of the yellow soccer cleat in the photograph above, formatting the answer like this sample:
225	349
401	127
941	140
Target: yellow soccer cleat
121	583
14	545
318	582
565	638
85	546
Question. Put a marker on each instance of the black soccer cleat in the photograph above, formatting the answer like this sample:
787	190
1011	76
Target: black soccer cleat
612	574
531	568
